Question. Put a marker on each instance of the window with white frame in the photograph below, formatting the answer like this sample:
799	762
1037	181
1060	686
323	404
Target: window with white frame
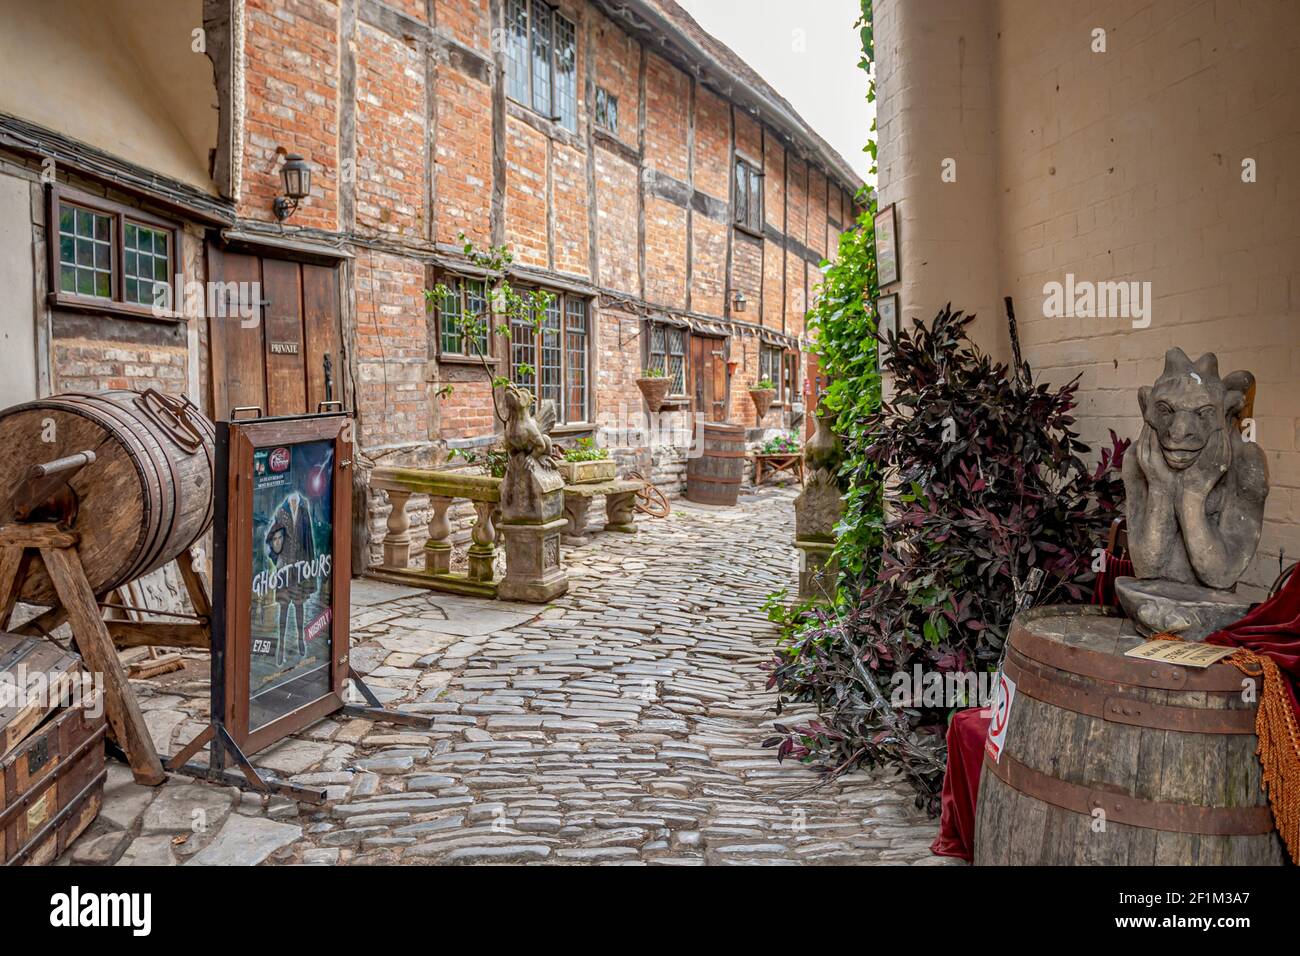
111	256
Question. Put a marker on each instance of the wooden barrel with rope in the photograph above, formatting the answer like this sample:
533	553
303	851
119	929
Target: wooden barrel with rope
1113	760
140	497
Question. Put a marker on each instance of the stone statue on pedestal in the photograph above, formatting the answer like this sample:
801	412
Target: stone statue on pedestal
1196	492
818	510
532	504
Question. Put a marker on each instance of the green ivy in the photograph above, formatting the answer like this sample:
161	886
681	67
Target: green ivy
843	324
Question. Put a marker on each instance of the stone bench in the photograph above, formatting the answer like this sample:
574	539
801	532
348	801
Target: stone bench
620	502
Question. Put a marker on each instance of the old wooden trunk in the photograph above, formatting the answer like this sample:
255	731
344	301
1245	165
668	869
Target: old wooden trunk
1112	760
145	498
51	752
713	477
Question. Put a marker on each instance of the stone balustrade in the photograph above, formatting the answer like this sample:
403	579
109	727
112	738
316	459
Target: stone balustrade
442	489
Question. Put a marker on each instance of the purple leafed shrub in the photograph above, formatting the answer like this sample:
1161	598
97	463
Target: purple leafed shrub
987	480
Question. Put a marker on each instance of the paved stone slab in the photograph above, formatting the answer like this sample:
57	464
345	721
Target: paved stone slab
245	841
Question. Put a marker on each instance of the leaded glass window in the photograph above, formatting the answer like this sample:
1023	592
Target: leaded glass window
575	360
542	61
667	354
553	361
517	58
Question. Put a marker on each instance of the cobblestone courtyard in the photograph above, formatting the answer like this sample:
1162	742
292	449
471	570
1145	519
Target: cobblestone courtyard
621	724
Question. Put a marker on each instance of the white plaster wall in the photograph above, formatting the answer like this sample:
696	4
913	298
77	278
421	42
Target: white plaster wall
1122	165
17	304
117	74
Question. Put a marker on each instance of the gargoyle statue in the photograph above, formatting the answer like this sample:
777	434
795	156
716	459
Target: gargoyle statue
1195	491
523	432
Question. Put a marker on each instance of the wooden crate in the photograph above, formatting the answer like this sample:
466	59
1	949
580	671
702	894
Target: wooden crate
51	756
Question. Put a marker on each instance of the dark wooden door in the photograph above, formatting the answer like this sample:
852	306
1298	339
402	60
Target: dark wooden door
708	370
815	383
283	351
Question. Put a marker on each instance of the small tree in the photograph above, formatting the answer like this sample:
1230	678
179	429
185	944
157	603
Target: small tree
503	307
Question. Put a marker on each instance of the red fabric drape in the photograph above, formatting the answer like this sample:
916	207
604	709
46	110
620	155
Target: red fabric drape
1272	629
961	783
1103	589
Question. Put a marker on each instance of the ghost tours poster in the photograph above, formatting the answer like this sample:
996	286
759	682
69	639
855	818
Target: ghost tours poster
292	589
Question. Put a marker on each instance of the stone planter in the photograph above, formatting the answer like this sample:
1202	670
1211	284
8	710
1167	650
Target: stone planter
655	391
585	472
762	398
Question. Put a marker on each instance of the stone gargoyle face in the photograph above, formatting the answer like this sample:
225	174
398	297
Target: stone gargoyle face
1189	404
516	399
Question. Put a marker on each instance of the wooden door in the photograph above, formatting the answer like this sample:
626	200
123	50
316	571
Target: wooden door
708	371
815	383
283	352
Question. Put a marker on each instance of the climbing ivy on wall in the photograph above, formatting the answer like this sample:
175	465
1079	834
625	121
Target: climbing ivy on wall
842	322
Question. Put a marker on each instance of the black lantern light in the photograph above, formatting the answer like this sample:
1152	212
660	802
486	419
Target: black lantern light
296	175
738	301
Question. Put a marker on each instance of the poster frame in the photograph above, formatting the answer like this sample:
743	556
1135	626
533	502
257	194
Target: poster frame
233	572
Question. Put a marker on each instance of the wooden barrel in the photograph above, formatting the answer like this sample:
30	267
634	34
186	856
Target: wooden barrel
714	476
145	498
1116	761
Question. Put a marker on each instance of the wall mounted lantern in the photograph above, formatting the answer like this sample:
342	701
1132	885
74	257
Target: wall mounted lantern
296	175
738	301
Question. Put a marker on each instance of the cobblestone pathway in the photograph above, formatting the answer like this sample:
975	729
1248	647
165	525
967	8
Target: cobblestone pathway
622	724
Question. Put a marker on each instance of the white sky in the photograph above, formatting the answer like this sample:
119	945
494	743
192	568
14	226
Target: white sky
808	50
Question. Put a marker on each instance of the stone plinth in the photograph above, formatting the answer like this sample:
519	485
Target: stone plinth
817	511
532	520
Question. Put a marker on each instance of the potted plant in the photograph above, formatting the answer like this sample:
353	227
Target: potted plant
654	385
780	445
585	463
763	394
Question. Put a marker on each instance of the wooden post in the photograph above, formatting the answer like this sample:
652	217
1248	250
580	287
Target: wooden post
91	636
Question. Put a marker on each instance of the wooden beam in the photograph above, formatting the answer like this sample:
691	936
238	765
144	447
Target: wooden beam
96	648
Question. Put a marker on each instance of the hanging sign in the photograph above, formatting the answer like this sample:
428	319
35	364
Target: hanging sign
1001	715
282	573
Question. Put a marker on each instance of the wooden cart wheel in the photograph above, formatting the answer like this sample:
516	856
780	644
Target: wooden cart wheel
650	500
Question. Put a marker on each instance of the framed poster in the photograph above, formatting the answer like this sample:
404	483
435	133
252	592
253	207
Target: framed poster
886	324
282	574
886	232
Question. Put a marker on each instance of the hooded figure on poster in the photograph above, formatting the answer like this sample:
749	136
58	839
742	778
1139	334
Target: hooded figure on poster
291	544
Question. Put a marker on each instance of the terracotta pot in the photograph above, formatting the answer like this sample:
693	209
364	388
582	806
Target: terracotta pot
655	391
762	400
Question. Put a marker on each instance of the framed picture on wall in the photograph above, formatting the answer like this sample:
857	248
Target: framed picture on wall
886	324
282	574
886	230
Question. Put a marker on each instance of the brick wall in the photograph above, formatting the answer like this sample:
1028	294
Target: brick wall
390	118
291	49
392	350
423	125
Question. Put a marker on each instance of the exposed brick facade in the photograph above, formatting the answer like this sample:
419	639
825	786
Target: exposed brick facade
400	109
